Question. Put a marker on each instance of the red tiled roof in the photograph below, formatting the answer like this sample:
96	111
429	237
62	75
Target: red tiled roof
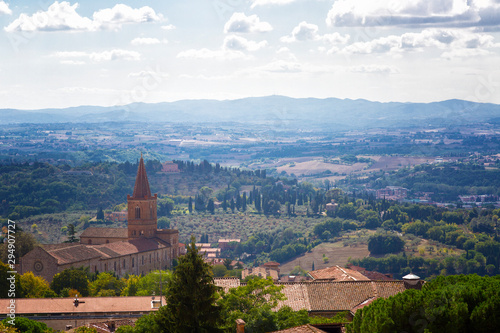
337	273
72	254
328	295
95	232
94	305
297	296
82	252
301	329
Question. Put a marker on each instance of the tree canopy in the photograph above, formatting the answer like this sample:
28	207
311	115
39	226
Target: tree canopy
192	295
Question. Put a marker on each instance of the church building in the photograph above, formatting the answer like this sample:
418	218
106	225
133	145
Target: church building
139	249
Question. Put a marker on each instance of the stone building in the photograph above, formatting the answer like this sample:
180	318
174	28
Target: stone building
138	249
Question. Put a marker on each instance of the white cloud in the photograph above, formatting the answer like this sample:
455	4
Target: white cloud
212	54
335	38
445	39
309	32
415	12
380	45
168	27
62	16
270	2
148	74
109	55
145	41
4	8
72	62
123	14
70	54
59	16
239	22
238	43
374	69
303	32
464	53
116	54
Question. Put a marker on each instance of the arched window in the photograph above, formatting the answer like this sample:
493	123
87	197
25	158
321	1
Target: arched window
137	212
133	263
150	211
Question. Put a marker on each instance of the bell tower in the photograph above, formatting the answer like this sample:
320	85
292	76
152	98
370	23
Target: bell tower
142	220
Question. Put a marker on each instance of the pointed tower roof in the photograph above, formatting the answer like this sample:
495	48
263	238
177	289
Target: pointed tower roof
141	188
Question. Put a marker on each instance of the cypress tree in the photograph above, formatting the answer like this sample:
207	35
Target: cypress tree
192	295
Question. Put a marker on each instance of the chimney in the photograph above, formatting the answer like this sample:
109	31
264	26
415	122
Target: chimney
240	326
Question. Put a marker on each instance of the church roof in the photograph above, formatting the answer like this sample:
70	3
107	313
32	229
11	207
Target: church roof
83	252
141	188
74	254
96	232
136	245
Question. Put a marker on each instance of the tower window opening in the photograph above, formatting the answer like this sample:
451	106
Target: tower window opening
137	212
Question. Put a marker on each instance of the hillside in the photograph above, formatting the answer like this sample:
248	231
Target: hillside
276	111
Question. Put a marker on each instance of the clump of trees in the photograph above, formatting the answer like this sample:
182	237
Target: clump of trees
460	303
385	243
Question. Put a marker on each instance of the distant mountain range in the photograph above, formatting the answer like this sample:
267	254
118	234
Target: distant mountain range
276	111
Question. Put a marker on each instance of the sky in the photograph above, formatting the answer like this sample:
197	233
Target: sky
56	54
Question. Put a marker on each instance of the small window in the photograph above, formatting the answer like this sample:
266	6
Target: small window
133	264
90	241
123	263
115	265
137	212
107	241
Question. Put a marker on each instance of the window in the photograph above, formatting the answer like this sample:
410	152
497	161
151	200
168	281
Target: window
107	241
115	265
133	264
150	211
137	212
90	241
141	233
123	263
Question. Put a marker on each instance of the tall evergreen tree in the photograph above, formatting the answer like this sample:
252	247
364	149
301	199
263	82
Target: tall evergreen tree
244	202
190	205
192	295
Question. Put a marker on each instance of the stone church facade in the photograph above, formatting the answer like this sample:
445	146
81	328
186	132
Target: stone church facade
138	249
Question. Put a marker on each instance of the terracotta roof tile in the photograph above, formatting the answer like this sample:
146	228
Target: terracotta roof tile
96	232
92	305
73	254
301	329
82	252
297	296
325	296
337	273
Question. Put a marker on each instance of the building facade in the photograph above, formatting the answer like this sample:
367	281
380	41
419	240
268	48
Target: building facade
138	249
